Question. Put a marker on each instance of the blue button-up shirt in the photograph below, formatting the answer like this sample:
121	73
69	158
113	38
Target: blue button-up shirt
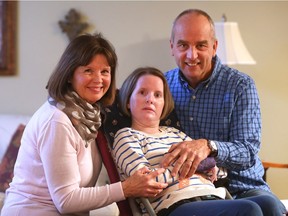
224	108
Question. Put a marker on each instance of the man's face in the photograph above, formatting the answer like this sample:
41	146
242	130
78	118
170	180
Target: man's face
193	47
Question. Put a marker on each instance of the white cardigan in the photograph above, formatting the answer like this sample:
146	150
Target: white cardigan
54	173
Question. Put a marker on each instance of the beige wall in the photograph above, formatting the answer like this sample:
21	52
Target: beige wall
140	32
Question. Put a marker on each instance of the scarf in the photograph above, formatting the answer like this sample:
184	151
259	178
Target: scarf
85	117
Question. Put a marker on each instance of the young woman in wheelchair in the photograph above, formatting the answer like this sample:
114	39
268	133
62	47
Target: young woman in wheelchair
145	97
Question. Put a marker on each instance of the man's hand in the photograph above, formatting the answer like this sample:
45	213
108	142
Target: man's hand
186	157
143	184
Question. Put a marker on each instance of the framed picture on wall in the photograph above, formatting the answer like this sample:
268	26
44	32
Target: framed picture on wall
8	37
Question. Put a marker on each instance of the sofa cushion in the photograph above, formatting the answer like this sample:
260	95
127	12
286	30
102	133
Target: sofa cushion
8	161
8	125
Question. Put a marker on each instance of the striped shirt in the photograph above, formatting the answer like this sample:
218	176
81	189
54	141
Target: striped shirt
224	108
134	149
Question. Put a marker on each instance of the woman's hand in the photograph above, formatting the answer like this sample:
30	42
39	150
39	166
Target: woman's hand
142	183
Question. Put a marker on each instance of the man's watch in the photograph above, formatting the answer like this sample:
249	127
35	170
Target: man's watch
213	148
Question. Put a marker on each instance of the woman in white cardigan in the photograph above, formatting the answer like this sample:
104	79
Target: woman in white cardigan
58	162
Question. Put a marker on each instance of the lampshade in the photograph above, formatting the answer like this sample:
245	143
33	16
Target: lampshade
231	48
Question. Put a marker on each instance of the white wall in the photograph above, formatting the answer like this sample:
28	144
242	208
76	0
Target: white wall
140	33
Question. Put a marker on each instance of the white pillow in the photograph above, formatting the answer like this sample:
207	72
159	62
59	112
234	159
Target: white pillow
8	126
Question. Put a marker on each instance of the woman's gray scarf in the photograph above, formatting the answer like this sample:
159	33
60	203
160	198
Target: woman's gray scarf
85	117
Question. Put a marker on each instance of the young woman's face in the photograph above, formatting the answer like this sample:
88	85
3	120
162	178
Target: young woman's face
92	81
147	101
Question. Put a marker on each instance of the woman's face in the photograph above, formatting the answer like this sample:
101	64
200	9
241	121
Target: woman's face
147	101
92	81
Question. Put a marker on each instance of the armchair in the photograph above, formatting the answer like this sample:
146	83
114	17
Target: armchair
113	121
268	165
126	207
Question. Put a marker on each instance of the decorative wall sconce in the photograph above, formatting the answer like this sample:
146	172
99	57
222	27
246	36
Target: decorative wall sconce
73	25
231	48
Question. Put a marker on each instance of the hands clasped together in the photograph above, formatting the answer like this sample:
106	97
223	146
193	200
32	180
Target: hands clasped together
142	183
186	157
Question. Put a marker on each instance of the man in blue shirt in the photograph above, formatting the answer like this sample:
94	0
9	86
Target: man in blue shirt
217	106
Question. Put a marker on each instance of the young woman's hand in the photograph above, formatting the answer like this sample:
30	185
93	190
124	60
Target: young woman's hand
212	174
143	184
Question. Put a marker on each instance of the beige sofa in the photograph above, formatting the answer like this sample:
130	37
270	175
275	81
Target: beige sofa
8	127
